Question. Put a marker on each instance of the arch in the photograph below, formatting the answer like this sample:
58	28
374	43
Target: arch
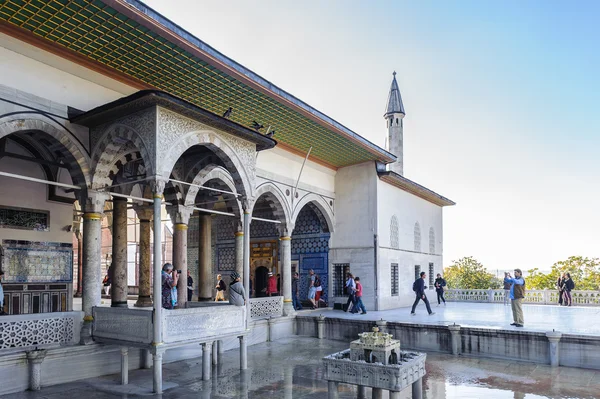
216	144
212	172
75	153
320	203
417	237
431	240
276	199
109	148
394	233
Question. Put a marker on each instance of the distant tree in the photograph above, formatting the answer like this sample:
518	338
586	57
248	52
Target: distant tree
585	272
467	272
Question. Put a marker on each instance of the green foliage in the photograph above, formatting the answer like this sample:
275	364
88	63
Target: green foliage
585	272
467	272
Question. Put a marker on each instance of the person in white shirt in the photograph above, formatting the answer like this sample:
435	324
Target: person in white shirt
351	291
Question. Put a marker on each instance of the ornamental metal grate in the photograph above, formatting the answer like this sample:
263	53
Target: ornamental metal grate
431	241
339	272
417	237
99	32
266	307
431	276
394	234
394	279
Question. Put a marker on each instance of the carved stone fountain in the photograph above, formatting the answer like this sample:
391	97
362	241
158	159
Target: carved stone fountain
375	360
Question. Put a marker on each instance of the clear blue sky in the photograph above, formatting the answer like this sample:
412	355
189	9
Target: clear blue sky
502	102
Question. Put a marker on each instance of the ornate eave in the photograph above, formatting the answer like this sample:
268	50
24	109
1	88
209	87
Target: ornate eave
132	43
414	188
147	98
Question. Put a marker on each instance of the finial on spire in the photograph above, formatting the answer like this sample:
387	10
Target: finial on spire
394	73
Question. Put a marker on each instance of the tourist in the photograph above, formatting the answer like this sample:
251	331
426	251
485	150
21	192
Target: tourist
569	285
237	295
272	285
295	299
560	286
419	289
220	296
517	293
440	283
190	286
351	291
507	289
2	313
359	305
319	287
107	279
312	290
169	284
278	282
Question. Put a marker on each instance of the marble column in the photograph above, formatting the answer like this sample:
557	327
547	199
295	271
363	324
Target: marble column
118	291
332	390
91	258
455	338
79	291
553	340
417	389
361	392
206	361
180	215
246	258
157	187
124	365
376	393
394	394
144	267
35	359
285	246
243	352
239	252
205	283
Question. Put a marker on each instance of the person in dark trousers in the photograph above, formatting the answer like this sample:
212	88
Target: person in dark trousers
517	294
560	286
440	283
569	285
190	286
295	299
359	303
351	291
507	289
419	289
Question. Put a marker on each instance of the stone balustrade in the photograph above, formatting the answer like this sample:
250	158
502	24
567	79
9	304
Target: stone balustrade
262	308
541	297
40	330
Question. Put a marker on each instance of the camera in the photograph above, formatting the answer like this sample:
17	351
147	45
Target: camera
178	271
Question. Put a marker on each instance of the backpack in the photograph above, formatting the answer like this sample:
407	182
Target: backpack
415	286
317	281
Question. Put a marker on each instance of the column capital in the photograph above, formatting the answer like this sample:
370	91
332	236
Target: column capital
144	212
158	186
180	214
93	201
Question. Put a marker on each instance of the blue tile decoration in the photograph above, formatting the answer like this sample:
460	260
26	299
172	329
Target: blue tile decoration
33	262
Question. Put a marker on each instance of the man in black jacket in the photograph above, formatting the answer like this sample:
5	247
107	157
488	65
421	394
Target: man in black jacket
440	283
419	289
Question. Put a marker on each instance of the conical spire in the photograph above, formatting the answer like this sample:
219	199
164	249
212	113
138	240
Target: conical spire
394	102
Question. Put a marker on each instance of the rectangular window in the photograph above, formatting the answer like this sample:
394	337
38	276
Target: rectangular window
417	271
339	278
431	276
394	279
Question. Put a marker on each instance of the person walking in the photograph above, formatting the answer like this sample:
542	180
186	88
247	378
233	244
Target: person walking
440	283
221	288
237	294
569	285
507	289
169	282
419	289
351	291
319	288
295	299
190	286
560	286
517	293
359	305
108	279
312	290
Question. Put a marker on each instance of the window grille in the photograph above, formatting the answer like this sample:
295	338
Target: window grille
417	271
339	277
431	241
431	276
394	279
394	234
417	237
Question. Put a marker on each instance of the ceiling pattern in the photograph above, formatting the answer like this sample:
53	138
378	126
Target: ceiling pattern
99	32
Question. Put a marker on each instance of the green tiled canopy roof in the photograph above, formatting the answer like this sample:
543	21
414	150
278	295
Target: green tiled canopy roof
102	33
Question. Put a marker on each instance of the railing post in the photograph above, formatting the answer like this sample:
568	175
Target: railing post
35	359
490	295
455	338
321	327
553	340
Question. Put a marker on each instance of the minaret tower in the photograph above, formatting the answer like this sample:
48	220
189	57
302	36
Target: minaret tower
393	115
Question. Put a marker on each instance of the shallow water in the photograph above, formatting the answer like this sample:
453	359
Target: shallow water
292	368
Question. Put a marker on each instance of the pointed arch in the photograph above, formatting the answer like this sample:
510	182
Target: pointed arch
213	172
67	144
318	201
417	237
276	199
